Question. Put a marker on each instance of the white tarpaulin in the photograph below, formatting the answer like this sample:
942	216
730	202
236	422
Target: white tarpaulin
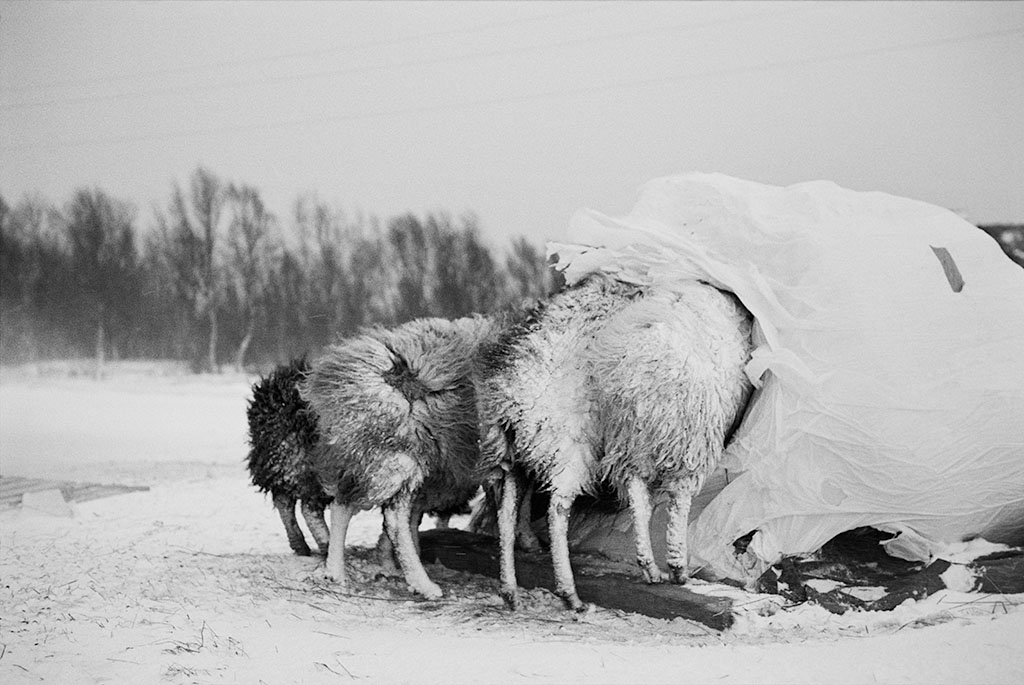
889	360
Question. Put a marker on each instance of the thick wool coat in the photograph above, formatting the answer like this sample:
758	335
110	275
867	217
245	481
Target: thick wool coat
397	412
282	433
608	380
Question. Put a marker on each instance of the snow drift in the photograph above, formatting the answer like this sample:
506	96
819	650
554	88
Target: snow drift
889	361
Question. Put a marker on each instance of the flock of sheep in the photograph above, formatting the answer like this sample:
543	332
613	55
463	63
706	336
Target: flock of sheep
605	384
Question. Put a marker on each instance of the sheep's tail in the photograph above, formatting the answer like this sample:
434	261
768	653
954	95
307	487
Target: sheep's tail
433	355
403	378
374	368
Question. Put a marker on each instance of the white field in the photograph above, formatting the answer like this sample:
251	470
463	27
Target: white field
192	581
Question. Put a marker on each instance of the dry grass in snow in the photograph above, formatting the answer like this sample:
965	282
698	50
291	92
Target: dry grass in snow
193	582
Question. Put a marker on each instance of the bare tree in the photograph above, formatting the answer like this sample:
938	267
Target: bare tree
410	243
189	236
249	260
103	261
215	268
466	278
37	288
323	253
371	289
16	260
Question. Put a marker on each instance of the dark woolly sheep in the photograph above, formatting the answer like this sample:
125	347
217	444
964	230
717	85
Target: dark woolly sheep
282	431
397	413
612	384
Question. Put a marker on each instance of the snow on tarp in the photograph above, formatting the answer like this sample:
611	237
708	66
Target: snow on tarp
889	361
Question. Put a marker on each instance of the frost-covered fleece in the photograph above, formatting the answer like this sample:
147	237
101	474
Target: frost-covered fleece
397	414
282	432
612	384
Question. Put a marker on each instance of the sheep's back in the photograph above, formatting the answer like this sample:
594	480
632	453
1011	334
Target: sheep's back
670	382
535	395
397	405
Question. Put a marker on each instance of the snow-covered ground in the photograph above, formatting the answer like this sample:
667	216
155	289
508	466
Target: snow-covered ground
192	581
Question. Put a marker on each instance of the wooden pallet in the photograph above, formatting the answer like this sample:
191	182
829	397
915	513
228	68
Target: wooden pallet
13	488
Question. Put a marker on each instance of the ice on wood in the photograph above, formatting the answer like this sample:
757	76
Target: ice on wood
889	361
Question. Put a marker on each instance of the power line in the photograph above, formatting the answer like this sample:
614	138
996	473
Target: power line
293	78
551	94
353	47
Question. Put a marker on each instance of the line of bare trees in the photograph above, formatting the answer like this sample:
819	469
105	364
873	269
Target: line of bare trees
217	279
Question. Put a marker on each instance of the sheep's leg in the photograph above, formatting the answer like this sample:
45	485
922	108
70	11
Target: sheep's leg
558	527
678	520
640	508
442	521
386	551
415	521
397	517
492	495
507	535
285	506
525	536
341	514
317	526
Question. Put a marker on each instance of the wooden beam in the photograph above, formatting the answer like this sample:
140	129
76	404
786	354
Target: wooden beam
461	550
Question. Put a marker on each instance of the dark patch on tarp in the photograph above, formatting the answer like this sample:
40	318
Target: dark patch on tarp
956	280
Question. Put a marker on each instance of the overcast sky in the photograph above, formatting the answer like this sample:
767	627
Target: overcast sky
520	112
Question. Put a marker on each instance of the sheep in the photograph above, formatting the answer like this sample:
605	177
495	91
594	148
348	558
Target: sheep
282	435
282	431
612	384
397	413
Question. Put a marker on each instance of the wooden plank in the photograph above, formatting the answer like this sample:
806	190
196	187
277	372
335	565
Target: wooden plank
10	501
90	491
12	489
464	551
18	486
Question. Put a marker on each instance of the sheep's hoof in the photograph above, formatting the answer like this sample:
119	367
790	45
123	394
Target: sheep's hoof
654	575
572	601
679	576
587	608
340	584
430	591
336	576
302	550
341	581
511	598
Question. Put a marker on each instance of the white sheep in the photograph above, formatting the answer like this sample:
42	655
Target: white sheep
610	383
